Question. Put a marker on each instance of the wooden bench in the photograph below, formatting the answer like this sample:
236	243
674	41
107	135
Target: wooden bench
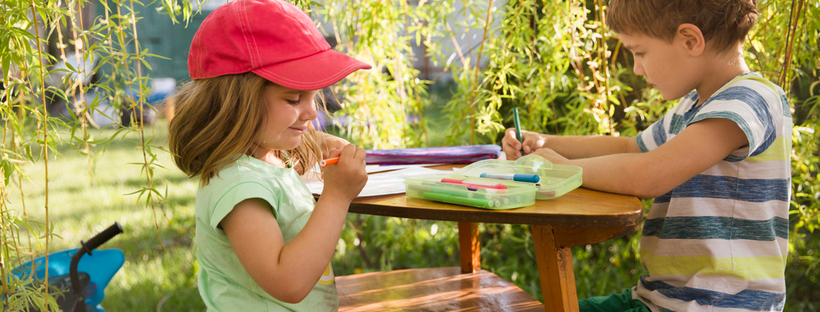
436	289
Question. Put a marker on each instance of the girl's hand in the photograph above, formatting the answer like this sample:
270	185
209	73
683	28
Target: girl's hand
345	179
331	144
512	147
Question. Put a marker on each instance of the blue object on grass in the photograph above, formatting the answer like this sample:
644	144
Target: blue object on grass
101	266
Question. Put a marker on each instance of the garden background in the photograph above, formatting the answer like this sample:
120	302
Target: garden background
65	180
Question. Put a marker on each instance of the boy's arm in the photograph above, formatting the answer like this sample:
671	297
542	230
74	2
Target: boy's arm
571	147
647	175
574	147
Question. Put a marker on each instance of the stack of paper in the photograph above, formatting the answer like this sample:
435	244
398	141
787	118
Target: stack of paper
383	183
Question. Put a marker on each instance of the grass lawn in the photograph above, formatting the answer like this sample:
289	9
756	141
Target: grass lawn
151	279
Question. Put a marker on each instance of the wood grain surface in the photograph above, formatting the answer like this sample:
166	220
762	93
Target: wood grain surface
436	289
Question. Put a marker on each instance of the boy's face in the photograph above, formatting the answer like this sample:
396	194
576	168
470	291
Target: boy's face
665	65
289	112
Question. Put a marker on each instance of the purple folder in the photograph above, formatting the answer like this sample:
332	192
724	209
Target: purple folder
464	154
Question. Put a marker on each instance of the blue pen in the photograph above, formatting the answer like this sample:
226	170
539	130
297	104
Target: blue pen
521	177
518	129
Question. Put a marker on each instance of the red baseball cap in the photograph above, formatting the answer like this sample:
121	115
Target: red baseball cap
270	38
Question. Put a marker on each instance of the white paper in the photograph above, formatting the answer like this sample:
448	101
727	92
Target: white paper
381	168
384	183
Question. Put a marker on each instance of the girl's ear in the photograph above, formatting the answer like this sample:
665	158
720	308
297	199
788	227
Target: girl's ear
692	39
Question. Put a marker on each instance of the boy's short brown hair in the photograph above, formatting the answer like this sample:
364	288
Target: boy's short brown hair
723	22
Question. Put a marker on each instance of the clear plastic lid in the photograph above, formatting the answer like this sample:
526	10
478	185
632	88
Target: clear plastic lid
553	180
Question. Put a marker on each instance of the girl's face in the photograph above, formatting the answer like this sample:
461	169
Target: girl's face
289	112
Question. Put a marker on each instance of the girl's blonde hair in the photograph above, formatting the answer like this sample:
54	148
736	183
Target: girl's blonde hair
216	121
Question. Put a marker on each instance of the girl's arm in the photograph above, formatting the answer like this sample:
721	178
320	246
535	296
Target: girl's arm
654	173
289	271
571	147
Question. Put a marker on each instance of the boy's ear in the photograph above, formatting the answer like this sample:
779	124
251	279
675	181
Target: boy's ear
692	39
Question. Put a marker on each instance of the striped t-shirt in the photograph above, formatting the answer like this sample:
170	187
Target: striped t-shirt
719	241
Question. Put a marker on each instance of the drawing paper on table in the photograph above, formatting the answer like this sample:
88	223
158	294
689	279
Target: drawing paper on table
381	168
315	174
384	183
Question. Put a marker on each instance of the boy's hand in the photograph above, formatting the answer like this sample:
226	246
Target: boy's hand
345	179
511	146
550	154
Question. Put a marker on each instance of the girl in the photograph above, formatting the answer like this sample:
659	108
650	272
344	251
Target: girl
244	126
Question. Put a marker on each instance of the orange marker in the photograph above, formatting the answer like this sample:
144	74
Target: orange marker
329	161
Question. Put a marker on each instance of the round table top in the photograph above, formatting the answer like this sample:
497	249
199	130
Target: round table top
580	207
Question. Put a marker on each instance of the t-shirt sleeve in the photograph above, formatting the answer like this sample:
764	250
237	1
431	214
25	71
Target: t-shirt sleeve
748	109
237	194
654	135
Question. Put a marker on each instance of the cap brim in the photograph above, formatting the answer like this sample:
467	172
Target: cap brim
313	72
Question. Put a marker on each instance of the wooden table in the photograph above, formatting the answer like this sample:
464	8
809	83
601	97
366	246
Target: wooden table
580	217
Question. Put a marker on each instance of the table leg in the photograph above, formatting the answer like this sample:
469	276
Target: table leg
469	247
555	270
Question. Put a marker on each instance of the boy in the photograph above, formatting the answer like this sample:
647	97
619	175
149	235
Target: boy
717	163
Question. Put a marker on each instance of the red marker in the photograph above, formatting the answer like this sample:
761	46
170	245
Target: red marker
475	184
329	161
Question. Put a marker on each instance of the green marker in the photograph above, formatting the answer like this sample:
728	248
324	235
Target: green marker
458	200
518	129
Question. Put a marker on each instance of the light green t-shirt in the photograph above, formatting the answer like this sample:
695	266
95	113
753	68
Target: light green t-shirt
223	283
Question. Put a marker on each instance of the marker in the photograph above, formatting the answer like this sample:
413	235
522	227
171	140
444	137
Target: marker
470	187
446	189
444	185
458	200
474	184
474	187
329	161
455	181
521	177
518	129
494	191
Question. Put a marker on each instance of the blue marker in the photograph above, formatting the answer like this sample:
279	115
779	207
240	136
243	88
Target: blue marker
521	177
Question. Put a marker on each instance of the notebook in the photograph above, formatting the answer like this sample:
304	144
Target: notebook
464	154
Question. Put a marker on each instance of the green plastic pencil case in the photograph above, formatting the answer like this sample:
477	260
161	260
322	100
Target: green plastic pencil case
554	180
431	187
